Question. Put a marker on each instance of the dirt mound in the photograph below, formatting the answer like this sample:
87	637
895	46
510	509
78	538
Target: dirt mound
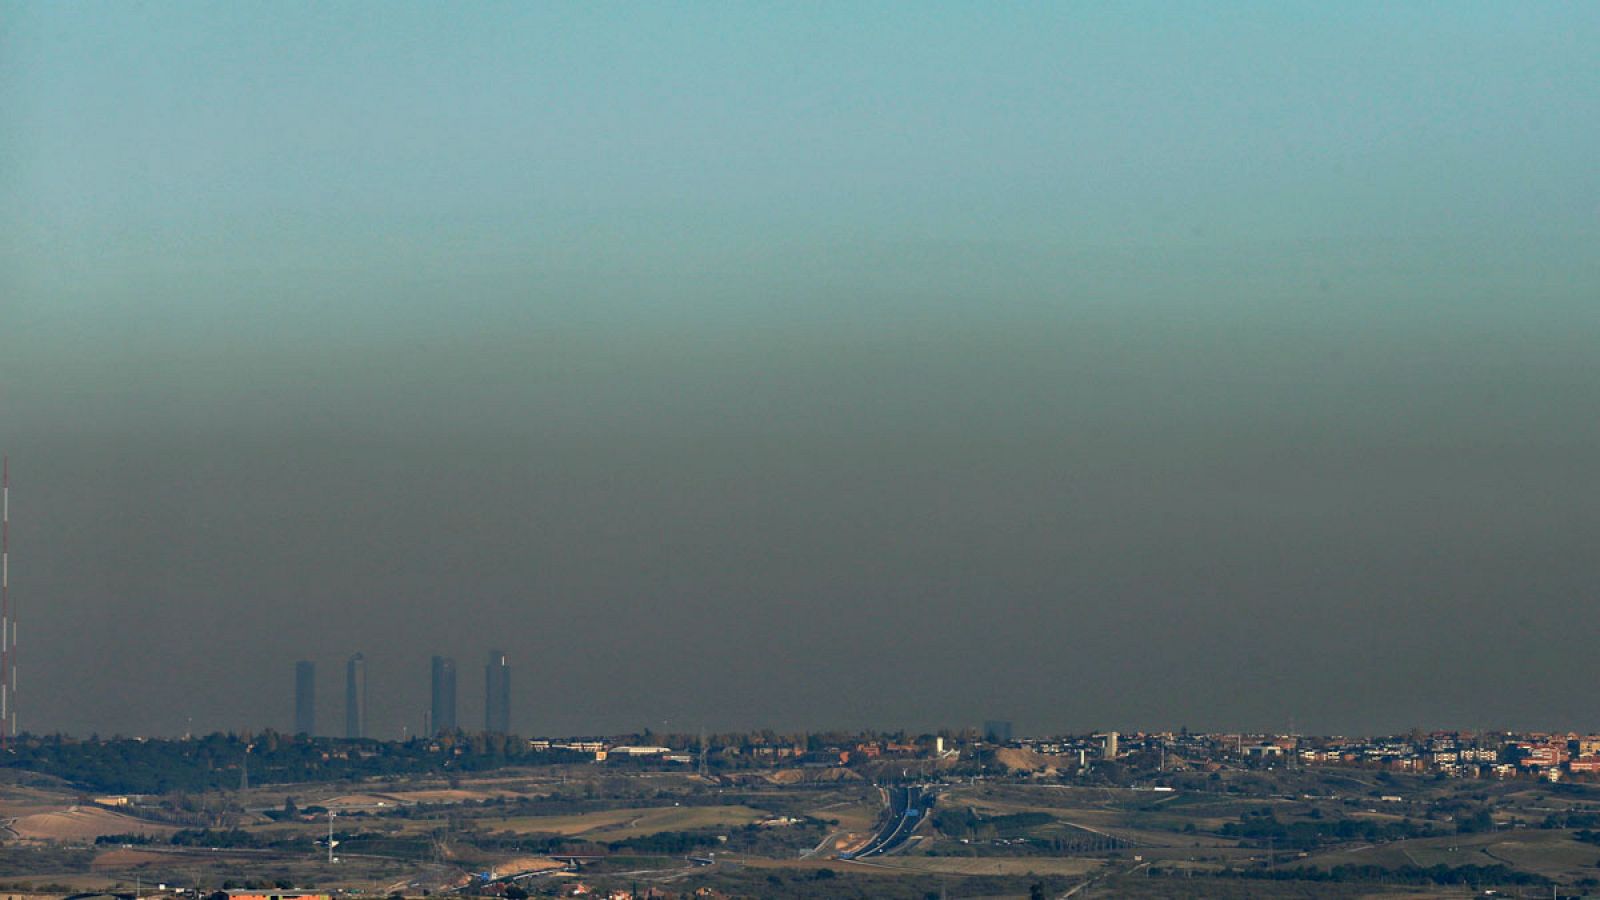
812	776
832	775
16	800
83	823
1018	760
527	864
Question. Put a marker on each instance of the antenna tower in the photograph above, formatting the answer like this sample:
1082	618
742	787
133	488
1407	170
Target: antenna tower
8	625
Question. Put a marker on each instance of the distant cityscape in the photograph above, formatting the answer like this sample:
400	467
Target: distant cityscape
440	714
981	812
1546	756
1550	756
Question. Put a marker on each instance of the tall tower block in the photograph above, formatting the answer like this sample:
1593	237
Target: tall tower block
497	694
444	694
355	697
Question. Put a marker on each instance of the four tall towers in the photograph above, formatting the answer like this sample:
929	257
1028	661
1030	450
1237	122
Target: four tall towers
497	674
442	706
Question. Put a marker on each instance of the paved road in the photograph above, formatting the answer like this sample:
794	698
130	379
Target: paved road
908	806
1103	874
831	840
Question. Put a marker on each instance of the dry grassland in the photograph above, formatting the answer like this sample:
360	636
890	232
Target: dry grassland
619	824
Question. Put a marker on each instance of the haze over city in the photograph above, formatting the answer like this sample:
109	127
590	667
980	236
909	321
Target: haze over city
902	365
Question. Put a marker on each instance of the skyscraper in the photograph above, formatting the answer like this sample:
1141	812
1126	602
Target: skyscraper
497	694
444	694
355	697
305	697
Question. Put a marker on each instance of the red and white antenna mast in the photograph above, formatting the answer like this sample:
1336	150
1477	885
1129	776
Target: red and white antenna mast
8	625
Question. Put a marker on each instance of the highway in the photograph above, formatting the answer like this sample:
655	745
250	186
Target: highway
908	806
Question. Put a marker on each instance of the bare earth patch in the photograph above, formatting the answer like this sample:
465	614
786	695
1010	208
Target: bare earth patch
83	823
617	824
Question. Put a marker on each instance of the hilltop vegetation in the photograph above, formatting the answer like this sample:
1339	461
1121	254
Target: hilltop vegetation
217	761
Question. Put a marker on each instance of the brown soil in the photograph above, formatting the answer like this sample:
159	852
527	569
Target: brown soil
83	823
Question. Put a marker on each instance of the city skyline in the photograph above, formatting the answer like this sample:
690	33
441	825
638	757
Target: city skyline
441	711
908	449
802	367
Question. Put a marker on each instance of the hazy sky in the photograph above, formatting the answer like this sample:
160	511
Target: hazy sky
759	365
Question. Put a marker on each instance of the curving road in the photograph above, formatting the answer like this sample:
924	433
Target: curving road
908	806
